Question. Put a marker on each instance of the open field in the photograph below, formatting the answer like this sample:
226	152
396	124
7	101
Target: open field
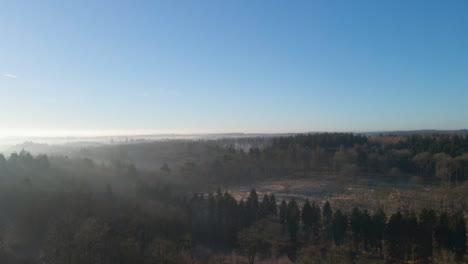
363	194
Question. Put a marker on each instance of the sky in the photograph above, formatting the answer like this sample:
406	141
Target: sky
135	67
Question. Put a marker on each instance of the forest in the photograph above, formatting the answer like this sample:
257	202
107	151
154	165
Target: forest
234	132
98	204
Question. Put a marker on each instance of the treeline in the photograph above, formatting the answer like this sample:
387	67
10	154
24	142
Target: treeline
148	155
220	221
23	161
453	145
322	140
63	173
420	159
415	158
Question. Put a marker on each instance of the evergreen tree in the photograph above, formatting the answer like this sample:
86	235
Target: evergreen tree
273	209
311	219
211	213
252	206
293	220
315	221
459	235
379	220
283	212
229	220
427	222
340	227
394	235
442	232
265	206
327	221
355	226
410	231
307	217
243	217
366	229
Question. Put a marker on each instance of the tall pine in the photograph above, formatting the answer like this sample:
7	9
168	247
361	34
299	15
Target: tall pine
327	221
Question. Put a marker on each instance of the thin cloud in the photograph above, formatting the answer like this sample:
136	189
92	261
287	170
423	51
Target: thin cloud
9	75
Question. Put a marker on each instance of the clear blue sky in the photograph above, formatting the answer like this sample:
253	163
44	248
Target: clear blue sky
233	66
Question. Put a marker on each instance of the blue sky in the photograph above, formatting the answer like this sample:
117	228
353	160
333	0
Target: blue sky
69	67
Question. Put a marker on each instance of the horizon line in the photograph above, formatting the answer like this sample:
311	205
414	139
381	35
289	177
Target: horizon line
142	133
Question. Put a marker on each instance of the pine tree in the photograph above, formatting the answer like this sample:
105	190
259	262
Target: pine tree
327	221
211	213
293	220
306	213
283	212
242	212
379	220
219	207
307	217
355	226
229	221
459	235
366	229
427	222
316	221
394	235
410	223
252	206
340	227
273	209
265	206
442	232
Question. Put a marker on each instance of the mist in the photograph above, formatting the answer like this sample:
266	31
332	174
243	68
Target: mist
233	132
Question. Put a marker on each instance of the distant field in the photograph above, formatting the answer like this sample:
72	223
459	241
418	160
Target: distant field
364	194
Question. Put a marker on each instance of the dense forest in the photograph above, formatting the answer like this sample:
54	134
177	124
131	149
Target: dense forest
261	227
422	158
79	227
234	132
74	209
435	159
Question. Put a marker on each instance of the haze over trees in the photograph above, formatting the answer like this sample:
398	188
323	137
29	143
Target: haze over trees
73	209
